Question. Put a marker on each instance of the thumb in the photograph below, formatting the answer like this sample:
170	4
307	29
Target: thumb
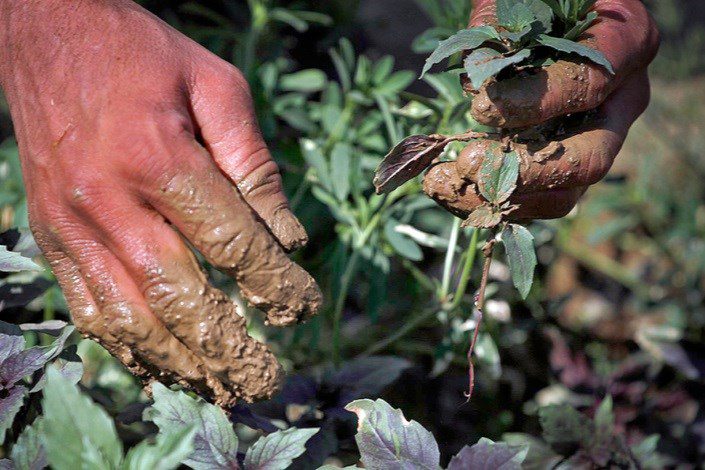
223	110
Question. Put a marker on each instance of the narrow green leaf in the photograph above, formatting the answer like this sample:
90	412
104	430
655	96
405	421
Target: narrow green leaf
465	39
383	67
277	450
604	417
580	27
315	159
306	81
484	63
498	175
396	83
76	428
519	246
340	170
402	244
571	47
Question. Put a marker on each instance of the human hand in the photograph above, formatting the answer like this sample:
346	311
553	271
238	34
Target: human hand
124	127
556	171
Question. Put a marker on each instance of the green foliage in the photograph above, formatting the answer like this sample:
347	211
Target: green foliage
523	27
519	246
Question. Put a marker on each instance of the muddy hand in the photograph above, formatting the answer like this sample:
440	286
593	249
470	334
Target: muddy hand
555	173
126	129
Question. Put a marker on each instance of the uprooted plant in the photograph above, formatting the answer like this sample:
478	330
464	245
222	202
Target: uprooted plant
528	35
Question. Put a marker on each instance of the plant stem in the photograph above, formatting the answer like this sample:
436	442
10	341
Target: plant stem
345	281
406	328
467	269
479	306
450	253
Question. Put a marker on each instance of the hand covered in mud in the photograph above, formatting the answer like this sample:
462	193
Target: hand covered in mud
125	128
559	157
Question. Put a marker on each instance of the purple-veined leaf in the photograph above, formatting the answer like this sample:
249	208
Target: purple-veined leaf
9	406
24	363
9	346
488	455
387	440
277	450
406	160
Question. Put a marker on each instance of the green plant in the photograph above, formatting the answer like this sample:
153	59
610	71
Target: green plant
525	29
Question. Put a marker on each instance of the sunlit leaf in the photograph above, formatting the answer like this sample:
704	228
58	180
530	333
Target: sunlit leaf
276	451
498	175
465	39
571	47
519	246
406	160
484	63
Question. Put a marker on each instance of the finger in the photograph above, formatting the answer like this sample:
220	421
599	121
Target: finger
126	328
223	110
459	196
210	212
624	33
581	159
161	272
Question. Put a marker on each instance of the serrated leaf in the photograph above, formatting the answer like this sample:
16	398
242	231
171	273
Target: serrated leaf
465	39
519	246
387	440
498	175
215	442
12	261
10	404
170	449
30	360
406	160
483	216
489	455
571	47
28	452
76	428
402	244
340	161
484	63
563	424
276	451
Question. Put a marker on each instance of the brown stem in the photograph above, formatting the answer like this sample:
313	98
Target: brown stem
479	305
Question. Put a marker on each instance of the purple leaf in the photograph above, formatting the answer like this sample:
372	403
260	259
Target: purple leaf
9	406
387	440
9	346
367	376
30	360
488	455
277	450
406	160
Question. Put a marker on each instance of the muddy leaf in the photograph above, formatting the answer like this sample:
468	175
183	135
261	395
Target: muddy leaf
519	246
465	39
387	440
483	216
489	455
277	450
498	175
484	63
215	443
407	160
571	47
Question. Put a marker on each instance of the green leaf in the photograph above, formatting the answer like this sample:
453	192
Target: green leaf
340	161
382	69
306	81
519	246
571	47
277	450
518	17
387	440
12	261
28	452
580	27
489	455
170	449
498	175
214	442
464	39
542	12
76	428
604	417
562	425
315	159
484	63
402	244
396	83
